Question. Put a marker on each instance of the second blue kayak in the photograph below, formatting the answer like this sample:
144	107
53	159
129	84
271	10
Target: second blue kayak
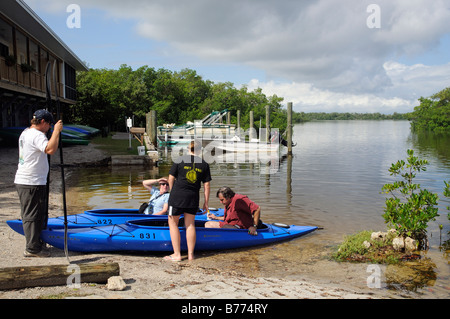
154	235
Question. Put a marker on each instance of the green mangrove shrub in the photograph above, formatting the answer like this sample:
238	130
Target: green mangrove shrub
410	208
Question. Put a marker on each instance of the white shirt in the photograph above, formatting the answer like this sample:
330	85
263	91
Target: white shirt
33	162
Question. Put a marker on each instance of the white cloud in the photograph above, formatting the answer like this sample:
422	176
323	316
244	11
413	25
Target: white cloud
412	27
319	52
408	84
414	81
307	98
323	42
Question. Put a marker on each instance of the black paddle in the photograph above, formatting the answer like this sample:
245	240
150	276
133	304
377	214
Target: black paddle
49	104
63	182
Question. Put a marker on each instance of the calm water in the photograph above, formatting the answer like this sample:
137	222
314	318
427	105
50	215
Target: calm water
333	180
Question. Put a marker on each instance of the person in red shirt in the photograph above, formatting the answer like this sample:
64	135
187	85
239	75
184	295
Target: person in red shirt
240	212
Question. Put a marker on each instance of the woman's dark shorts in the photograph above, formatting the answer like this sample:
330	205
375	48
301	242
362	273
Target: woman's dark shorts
177	211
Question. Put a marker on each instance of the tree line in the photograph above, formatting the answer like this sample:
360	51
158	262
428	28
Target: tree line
106	97
322	116
433	113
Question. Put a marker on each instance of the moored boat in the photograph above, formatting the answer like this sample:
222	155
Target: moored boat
211	125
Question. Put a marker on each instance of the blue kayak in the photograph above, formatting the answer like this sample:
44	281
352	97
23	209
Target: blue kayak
102	217
68	136
154	235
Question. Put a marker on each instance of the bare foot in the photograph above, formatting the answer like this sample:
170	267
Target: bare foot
172	258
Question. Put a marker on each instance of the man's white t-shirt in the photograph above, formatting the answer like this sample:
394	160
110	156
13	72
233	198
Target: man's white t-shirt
33	163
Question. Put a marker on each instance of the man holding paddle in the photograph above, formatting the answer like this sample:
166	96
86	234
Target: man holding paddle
31	177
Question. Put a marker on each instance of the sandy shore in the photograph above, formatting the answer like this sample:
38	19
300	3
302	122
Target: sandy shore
147	276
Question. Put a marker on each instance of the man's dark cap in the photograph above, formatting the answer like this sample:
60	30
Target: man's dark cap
44	115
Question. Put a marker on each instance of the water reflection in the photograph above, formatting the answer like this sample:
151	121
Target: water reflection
412	276
435	146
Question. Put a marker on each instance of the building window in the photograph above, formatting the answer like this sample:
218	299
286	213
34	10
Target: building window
4	50
34	56
44	59
6	39
70	82
21	41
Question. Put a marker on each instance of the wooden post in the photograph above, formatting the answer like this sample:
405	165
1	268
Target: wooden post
238	122
251	129
148	125
152	128
55	275
289	127
267	123
138	133
289	180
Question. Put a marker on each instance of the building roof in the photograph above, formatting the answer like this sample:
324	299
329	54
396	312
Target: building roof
22	15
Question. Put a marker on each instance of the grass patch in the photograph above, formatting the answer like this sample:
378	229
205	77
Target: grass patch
116	147
354	248
63	295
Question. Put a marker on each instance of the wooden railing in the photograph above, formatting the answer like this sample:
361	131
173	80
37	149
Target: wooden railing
31	80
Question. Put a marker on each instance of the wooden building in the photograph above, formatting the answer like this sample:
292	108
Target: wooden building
27	45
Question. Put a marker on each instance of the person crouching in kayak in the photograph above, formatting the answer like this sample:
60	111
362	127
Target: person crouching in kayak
240	212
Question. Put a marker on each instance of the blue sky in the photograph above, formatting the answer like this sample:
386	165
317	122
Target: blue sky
319	54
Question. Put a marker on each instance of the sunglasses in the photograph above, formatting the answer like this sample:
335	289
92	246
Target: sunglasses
164	184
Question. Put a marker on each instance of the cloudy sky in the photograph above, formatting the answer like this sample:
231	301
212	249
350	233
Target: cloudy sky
322	55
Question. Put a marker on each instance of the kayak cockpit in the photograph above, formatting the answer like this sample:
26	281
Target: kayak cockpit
165	223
